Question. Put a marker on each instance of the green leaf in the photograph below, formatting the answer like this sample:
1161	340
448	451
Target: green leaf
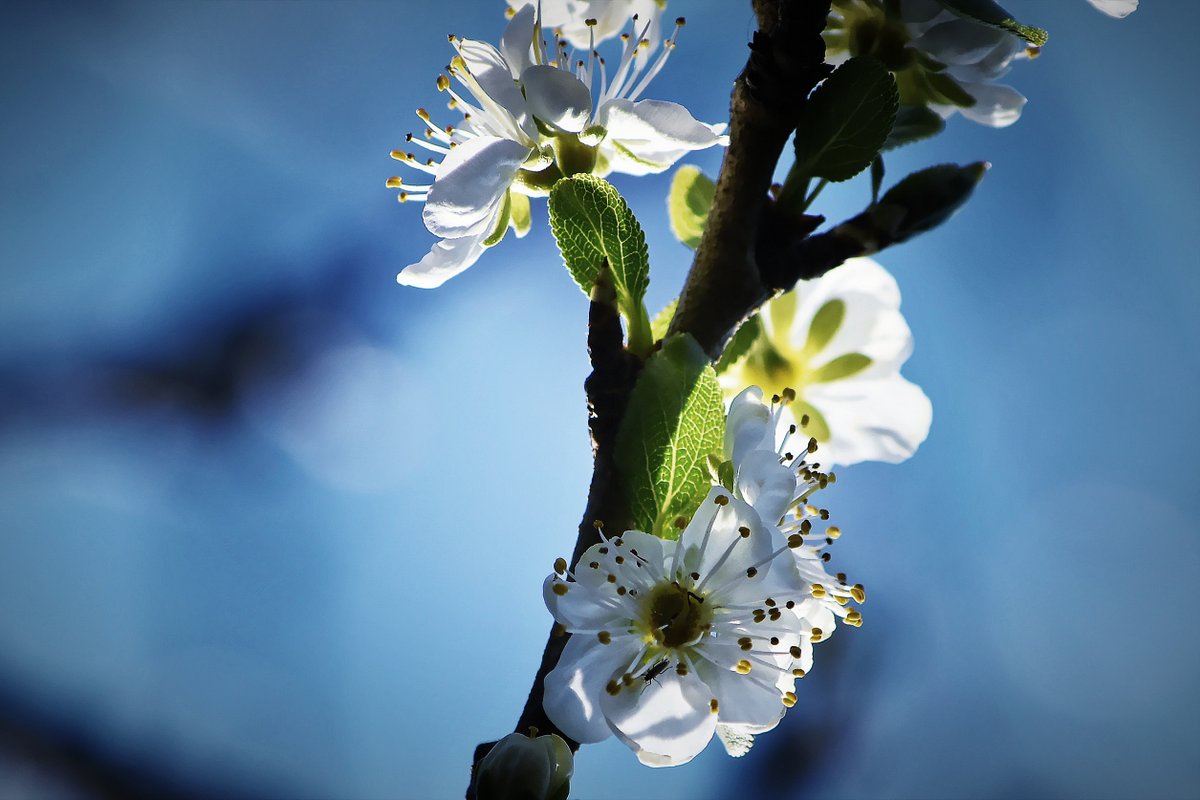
675	420
740	343
877	172
688	202
591	224
991	13
846	121
927	198
914	123
658	327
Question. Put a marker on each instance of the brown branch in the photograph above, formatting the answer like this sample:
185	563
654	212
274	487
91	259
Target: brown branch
726	282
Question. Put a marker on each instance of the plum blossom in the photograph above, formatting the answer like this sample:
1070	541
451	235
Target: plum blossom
673	641
568	18
946	61
532	114
831	351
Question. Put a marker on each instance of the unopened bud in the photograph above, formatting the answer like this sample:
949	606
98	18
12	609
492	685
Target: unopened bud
520	767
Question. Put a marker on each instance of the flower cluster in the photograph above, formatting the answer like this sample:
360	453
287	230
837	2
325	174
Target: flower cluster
534	112
673	641
942	60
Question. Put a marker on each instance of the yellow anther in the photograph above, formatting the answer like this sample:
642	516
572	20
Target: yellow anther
858	593
611	578
560	588
394	182
713	705
798	673
789	395
560	565
854	618
399	155
789	699
818	591
457	63
423	114
605	637
743	667
795	651
721	500
833	531
619	559
443	83
812	445
402	197
746	643
816	635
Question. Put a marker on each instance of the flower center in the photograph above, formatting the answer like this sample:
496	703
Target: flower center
675	615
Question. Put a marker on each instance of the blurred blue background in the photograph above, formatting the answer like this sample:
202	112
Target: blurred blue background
272	525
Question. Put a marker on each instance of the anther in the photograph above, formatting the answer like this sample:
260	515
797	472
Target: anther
789	699
394	182
560	588
681	522
560	565
825	557
812	444
744	531
721	500
798	673
790	604
794	650
713	705
613	688
816	635
789	395
858	593
775	641
443	83
558	630
593	565
751	572
743	667
818	591
746	643
795	540
611	578
833	531
619	559
605	637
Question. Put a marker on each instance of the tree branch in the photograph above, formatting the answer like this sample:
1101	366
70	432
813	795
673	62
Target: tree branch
726	282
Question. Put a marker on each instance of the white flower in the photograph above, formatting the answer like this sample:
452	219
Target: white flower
528	119
836	344
569	18
670	637
1116	8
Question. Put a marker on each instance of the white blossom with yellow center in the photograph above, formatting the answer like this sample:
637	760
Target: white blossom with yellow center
530	118
834	347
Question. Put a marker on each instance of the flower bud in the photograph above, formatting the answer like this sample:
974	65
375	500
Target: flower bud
520	767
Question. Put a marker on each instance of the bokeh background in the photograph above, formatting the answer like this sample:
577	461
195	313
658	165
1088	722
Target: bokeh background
272	525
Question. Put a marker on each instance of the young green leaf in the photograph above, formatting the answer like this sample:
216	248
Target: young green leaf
688	202
913	123
592	223
927	198
846	121
991	13
674	422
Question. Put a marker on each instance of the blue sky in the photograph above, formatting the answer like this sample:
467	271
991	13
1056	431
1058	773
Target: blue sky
272	521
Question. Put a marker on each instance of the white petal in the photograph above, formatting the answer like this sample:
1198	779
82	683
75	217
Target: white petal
747	426
492	72
960	41
469	186
871	420
727	553
446	259
557	97
766	484
743	699
650	135
1116	8
580	607
517	39
737	741
872	326
995	104
667	722
574	688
